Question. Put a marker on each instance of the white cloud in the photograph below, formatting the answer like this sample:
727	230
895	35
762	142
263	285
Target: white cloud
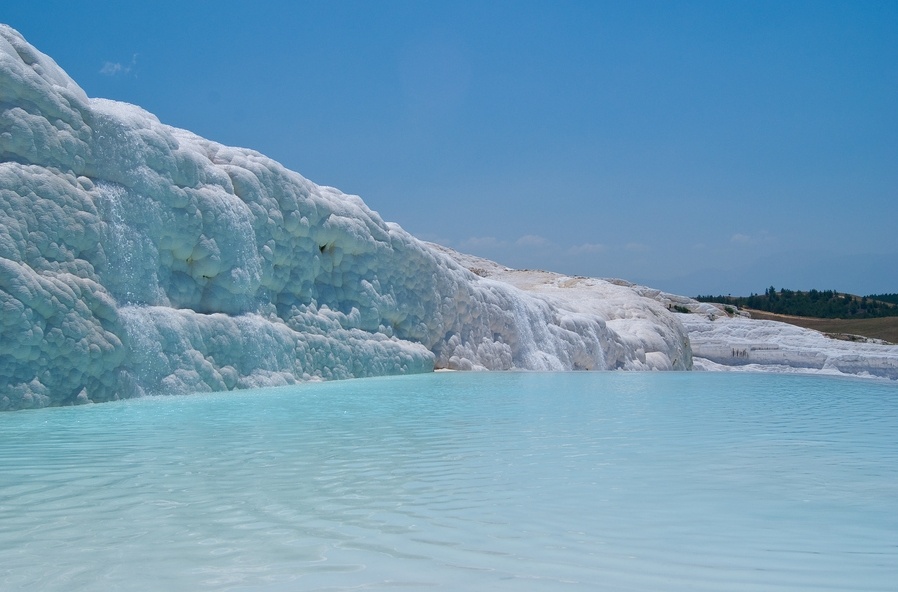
116	68
111	69
740	238
532	240
638	247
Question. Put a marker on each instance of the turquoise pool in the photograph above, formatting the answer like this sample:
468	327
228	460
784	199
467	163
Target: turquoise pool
462	481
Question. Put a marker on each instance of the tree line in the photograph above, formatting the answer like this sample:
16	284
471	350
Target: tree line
893	298
825	304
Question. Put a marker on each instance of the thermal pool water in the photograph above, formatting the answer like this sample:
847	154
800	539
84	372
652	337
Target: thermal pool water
461	481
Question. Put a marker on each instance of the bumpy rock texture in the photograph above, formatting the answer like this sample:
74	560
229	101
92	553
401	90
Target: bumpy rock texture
739	343
136	258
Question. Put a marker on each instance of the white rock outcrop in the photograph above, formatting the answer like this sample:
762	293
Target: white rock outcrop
724	338
739	343
137	258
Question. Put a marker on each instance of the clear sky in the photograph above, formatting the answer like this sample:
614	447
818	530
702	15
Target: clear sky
697	147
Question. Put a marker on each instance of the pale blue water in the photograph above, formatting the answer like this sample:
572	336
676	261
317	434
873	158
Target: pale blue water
580	481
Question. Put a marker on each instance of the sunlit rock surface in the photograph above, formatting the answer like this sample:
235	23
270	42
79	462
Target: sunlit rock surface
740	343
645	336
136	258
723	338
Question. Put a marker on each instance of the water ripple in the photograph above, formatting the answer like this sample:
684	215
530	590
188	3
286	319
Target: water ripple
606	481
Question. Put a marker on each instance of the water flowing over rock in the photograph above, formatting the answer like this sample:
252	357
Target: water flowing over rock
137	258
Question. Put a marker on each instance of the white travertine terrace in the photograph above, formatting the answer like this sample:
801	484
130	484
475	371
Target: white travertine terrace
137	258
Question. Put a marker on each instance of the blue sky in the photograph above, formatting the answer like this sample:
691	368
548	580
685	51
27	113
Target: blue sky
697	147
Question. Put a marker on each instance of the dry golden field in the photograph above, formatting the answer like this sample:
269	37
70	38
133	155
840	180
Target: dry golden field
883	328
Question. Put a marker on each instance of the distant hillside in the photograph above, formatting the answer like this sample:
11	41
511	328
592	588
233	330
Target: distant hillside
885	328
826	304
893	298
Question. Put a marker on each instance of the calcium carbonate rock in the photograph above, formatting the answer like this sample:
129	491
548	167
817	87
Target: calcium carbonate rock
739	343
136	258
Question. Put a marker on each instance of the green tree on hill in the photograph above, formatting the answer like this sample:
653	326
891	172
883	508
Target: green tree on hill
827	304
892	298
